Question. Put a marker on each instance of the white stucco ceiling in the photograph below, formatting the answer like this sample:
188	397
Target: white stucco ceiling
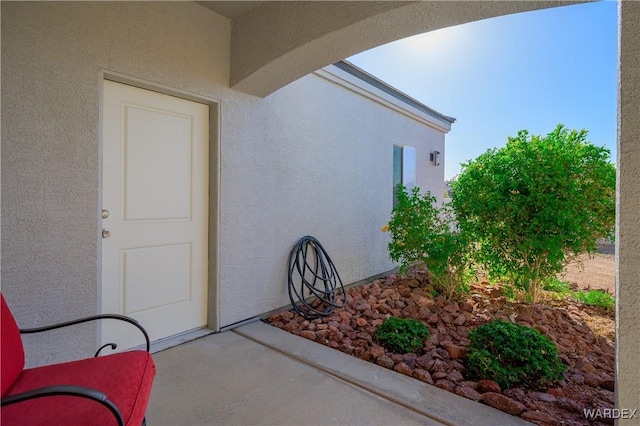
230	9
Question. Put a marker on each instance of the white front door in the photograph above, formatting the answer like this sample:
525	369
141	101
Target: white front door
155	193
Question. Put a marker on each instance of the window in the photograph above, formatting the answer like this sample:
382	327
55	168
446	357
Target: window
404	169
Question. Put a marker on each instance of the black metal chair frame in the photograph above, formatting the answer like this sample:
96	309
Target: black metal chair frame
77	391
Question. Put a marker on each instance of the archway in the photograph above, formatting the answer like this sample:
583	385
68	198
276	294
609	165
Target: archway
265	57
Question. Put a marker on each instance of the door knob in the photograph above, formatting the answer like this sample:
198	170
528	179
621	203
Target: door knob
105	213
106	233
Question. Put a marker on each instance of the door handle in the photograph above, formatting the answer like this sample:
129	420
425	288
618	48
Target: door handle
106	233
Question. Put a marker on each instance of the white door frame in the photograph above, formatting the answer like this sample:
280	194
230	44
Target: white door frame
213	302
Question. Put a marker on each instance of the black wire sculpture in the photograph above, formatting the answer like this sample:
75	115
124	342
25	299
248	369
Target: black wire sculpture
315	294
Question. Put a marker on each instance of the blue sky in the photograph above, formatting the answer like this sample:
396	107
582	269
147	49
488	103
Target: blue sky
497	76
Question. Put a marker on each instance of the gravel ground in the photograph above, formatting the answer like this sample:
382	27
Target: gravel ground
593	272
583	335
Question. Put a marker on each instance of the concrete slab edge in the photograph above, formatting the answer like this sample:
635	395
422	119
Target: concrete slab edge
422	398
178	339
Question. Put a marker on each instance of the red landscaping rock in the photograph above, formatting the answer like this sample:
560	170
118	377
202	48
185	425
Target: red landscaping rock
455	364
468	392
609	384
569	404
542	396
364	336
607	396
413	283
433	340
287	315
423	313
439	366
433	319
345	316
404	291
466	307
452	307
403	368
556	392
589	356
384	361
322	334
460	320
422	375
585	366
397	358
577	378
446	318
377	350
423	301
335	336
307	334
425	362
410	359
383	308
446	385
438	375
540	418
347	348
364	306
593	380
455	376
455	351
464	331
503	403
516	394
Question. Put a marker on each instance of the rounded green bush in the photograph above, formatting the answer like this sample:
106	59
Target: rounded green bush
401	335
513	355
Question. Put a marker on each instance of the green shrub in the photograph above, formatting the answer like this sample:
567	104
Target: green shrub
425	235
513	355
536	203
401	335
557	286
597	298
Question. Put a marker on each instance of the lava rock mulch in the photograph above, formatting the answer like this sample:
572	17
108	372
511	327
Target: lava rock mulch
588	383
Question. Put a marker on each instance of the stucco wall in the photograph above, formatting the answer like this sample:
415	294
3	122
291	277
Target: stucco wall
319	163
278	42
52	56
313	158
628	230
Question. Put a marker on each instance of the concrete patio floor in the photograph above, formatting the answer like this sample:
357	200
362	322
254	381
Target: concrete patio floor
259	375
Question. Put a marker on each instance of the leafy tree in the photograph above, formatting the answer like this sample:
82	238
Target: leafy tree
536	203
424	235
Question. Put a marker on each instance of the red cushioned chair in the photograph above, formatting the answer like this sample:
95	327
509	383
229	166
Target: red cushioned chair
104	390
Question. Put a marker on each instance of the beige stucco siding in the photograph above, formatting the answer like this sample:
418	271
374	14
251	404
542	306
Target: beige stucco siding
52	54
318	163
313	158
628	211
279	42
52	57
